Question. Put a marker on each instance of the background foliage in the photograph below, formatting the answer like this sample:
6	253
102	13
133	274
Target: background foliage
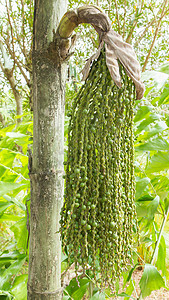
145	25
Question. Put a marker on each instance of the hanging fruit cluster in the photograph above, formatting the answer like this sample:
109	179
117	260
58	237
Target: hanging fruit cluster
99	213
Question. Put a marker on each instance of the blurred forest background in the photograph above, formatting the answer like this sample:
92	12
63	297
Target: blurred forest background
145	25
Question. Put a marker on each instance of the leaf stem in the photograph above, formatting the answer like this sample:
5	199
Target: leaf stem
159	238
157	243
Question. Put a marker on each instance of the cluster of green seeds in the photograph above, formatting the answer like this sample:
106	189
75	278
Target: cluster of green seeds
99	214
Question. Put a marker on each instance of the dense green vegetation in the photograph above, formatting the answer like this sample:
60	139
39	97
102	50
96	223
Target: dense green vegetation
151	129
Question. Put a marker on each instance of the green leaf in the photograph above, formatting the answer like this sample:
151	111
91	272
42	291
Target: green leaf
155	144
9	257
98	296
146	122
7	129
152	207
25	127
164	98
129	291
147	241
159	162
10	217
16	135
141	185
151	280
64	257
131	272
5	293
164	68
79	293
158	76
158	128
6	187
19	288
21	233
161	185
161	259
2	170
166	204
147	208
8	274
7	143
76	291
142	112
15	201
7	157
125	295
4	206
65	297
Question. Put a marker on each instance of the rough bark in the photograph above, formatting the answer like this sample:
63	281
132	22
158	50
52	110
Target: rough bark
44	280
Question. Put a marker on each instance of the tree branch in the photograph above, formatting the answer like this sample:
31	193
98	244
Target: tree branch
117	16
8	73
144	32
155	34
124	19
18	63
11	28
18	98
23	28
138	12
2	120
22	47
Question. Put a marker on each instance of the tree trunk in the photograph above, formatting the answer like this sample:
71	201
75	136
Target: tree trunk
44	281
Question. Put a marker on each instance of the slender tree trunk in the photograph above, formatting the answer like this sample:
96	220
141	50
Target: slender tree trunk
44	281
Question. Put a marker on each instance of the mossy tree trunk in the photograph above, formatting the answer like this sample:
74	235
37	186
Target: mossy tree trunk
46	173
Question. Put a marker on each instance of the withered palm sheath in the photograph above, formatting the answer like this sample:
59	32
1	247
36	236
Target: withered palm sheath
99	214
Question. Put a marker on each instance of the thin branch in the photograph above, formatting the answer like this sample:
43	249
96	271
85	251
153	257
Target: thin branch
144	32
124	18
135	22
18	63
2	67
155	34
138	11
23	27
10	77
159	238
23	49
109	7
131	31
2	120
93	41
11	28
117	16
133	283
18	98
